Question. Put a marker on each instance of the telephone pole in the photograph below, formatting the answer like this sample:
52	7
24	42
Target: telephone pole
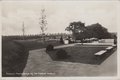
23	30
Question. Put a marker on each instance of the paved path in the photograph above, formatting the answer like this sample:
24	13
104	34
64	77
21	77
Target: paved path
40	64
109	66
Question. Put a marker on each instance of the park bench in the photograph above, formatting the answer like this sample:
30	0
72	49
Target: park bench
109	48
100	53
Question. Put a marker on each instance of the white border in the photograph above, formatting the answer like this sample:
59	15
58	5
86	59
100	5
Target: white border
69	78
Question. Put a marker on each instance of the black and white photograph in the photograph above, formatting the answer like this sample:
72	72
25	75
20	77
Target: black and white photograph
59	38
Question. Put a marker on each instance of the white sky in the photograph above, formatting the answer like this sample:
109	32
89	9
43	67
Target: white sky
59	15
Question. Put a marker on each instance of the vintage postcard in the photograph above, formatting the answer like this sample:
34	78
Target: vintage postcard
70	40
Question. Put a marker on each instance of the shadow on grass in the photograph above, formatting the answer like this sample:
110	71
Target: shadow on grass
14	59
81	54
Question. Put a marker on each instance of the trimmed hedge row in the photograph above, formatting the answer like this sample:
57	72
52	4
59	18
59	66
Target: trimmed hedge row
14	58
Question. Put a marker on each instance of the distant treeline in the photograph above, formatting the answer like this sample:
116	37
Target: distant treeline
39	36
35	36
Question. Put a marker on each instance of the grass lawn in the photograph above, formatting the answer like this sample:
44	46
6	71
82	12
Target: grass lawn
81	54
34	44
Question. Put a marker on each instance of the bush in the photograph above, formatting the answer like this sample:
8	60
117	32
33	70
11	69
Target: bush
61	54
61	40
49	47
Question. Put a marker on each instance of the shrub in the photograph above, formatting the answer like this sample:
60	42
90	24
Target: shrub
49	47
61	40
61	54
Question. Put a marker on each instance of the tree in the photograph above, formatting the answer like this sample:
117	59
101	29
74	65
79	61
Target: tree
97	31
43	23
76	28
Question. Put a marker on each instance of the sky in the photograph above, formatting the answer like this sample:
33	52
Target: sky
59	15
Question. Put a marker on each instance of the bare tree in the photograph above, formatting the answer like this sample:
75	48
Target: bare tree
43	23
